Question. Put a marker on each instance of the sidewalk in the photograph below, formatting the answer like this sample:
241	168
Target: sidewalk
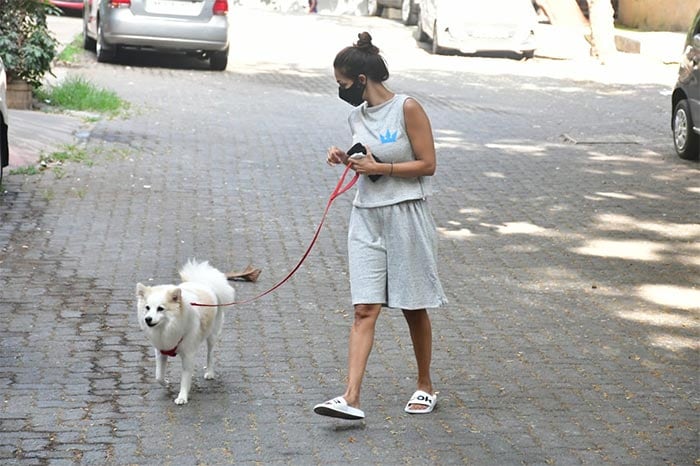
35	132
560	42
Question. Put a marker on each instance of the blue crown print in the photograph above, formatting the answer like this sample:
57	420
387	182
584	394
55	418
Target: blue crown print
388	137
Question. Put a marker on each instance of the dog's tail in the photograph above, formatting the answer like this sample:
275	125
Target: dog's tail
202	272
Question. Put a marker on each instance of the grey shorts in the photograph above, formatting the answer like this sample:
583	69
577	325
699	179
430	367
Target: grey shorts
392	256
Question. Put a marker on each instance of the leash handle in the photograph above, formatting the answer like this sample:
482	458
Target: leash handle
340	188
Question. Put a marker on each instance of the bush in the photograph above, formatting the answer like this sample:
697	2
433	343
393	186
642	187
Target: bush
27	47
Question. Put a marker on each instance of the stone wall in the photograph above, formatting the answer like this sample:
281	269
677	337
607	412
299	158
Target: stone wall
657	15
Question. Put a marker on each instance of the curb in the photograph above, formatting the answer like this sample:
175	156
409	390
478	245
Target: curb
666	47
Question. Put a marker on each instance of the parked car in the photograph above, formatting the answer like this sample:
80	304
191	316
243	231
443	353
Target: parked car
4	142
198	27
73	5
685	99
409	9
473	26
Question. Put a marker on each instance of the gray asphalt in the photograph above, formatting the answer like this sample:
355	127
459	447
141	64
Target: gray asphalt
569	252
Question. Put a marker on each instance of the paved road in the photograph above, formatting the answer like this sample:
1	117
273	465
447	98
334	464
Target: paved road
569	252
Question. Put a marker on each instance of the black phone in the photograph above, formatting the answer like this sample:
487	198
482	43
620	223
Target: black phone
359	148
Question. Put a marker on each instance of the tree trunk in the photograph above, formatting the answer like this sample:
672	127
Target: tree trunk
601	16
563	13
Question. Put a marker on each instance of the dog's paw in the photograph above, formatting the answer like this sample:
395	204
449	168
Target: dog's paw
209	375
181	400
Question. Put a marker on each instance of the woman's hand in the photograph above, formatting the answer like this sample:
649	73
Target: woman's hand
364	164
335	156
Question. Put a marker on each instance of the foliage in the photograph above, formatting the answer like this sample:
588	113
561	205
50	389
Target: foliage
28	170
72	51
27	47
69	152
77	93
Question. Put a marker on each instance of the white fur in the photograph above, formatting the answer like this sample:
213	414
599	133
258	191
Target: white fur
174	322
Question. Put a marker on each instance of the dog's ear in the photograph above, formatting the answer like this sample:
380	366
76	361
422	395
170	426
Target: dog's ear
174	295
141	290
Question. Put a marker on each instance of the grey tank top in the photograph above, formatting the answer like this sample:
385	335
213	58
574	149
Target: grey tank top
383	129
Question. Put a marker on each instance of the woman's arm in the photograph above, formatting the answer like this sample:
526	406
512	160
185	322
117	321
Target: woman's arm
420	133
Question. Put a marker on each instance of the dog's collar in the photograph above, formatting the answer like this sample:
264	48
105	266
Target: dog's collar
171	352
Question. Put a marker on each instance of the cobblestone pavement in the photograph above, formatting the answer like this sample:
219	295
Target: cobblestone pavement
569	251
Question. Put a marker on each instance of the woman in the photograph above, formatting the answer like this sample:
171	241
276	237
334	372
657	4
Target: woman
392	238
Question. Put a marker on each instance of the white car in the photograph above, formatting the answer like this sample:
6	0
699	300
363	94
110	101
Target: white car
473	26
4	143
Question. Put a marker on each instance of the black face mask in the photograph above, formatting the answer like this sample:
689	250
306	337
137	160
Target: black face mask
353	94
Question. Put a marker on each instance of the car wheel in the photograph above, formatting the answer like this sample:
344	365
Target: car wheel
436	49
420	34
374	8
218	60
408	12
684	138
104	52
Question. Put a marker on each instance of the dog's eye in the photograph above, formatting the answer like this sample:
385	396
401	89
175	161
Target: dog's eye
160	309
148	308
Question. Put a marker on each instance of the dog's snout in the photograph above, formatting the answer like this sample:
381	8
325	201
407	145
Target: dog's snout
148	320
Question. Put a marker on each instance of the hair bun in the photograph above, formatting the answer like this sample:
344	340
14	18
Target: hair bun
364	39
364	42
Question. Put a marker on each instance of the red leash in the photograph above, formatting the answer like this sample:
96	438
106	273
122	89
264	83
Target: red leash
339	189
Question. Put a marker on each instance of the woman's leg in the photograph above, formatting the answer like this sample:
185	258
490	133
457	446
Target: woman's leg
422	338
360	345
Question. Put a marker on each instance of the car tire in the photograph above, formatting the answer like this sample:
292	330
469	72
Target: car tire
374	8
88	42
104	52
218	60
4	146
435	49
684	138
419	33
408	12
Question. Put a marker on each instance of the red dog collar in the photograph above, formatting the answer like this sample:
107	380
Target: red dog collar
171	352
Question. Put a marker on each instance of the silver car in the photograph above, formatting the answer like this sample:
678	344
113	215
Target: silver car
193	26
4	143
474	26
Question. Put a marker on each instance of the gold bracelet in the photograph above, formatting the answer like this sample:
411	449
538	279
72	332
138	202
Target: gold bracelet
392	169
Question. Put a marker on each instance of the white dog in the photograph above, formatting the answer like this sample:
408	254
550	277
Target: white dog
175	327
